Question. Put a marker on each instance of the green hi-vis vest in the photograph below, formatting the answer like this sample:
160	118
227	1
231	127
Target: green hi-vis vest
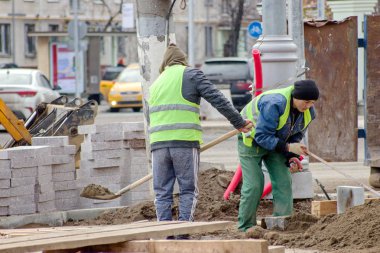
172	117
251	112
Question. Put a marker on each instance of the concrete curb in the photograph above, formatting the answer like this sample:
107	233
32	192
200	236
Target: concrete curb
53	218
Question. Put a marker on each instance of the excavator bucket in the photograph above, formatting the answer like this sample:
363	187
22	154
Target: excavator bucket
59	118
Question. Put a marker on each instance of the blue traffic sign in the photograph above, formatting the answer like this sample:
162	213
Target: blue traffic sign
255	29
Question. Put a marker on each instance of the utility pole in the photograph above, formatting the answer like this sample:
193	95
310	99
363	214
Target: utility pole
321	9
13	33
191	33
76	48
153	26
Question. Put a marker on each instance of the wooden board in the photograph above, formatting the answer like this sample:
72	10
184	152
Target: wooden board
78	237
331	54
188	246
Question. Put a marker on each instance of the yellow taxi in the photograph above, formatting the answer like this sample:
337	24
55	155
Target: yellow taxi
127	91
108	80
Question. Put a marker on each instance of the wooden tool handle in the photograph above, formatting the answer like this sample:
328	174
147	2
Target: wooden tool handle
135	184
219	140
344	174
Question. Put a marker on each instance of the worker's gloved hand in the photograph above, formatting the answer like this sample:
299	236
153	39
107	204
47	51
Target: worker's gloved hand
298	148
247	127
295	165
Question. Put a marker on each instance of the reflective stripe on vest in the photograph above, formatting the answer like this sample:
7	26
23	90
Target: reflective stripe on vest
251	112
172	117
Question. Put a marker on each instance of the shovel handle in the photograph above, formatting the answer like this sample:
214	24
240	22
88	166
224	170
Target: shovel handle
344	174
135	184
219	140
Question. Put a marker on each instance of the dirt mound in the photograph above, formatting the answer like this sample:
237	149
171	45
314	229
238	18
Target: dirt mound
357	230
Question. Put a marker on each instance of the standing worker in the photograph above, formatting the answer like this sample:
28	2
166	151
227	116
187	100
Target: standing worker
175	131
281	117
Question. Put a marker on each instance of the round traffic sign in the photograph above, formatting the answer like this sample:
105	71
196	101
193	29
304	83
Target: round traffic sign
254	29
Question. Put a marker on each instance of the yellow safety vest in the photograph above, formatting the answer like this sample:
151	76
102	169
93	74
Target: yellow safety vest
172	117
251	112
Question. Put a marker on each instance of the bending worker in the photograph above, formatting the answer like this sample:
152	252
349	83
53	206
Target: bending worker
281	117
175	131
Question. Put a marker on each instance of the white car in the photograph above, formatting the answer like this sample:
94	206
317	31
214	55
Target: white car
23	89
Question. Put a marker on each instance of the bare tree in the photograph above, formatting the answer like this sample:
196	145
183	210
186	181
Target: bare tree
235	9
111	14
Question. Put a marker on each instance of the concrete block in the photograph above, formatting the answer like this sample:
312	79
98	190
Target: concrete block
108	171
21	181
279	222
4	210
47	206
47	187
104	180
86	129
112	203
45	179
27	151
67	194
101	163
5	173
5	183
139	161
349	196
101	154
139	153
134	135
65	185
24	162
135	143
66	176
107	136
302	185
110	127
24	172
66	150
66	204
133	126
93	146
46	196
22	209
62	168
4	193
62	159
22	190
5	201
83	172
51	141
44	170
22	200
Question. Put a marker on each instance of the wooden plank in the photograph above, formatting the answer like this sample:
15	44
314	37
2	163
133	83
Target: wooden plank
188	246
105	235
325	207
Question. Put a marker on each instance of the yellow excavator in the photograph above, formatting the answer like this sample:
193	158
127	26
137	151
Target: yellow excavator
60	117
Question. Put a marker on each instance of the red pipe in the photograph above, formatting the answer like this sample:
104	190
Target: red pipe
258	90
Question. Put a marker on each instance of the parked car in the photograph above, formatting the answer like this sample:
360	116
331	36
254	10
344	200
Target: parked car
233	72
8	65
127	91
108	80
23	89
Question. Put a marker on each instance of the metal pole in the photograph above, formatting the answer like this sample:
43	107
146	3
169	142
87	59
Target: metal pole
76	48
191	33
13	33
321	9
274	17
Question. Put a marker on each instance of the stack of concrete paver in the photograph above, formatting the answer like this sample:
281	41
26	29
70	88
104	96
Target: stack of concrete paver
113	155
63	173
28	171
